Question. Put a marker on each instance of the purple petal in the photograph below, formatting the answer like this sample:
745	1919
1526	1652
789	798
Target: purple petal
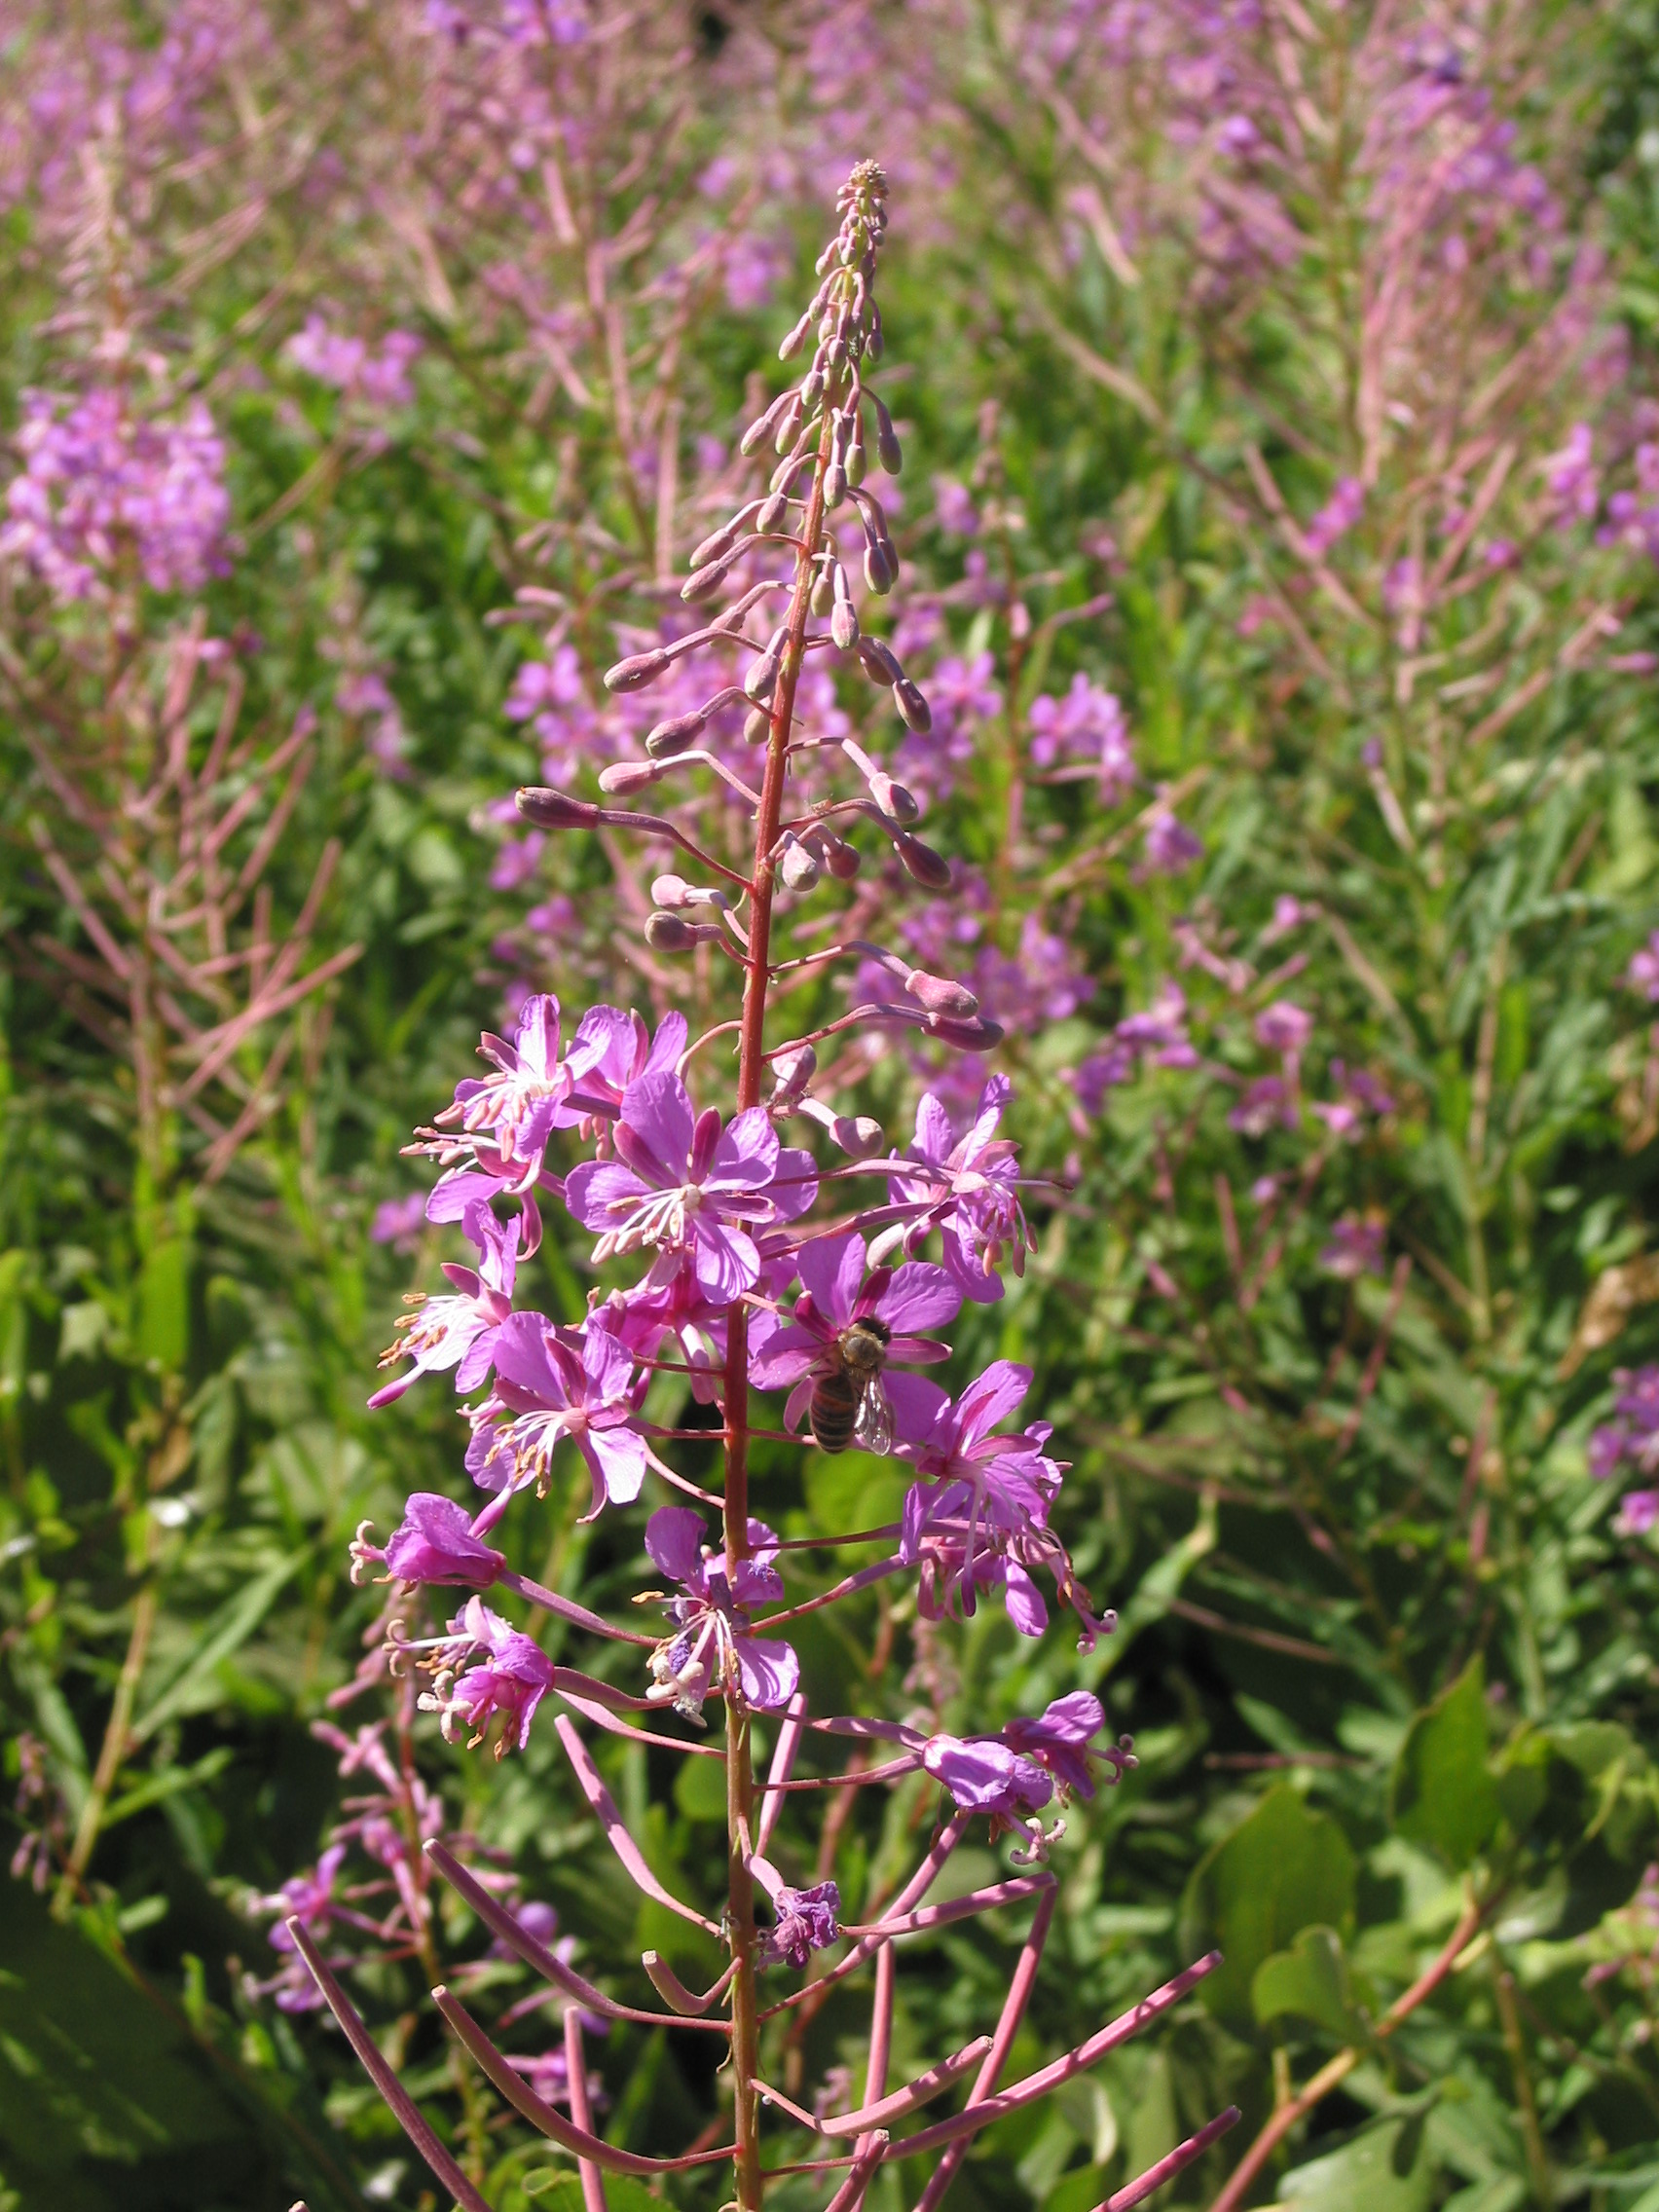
1024	1600
786	1357
453	1195
916	1407
593	1188
523	1358
674	1537
990	1398
726	1261
934	1139
607	1365
666	1044
617	1458
833	1268
657	1108
745	1157
795	1183
978	1775
920	1296
539	1035
769	1672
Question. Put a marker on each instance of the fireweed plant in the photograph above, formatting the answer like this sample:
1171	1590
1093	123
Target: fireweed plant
759	1270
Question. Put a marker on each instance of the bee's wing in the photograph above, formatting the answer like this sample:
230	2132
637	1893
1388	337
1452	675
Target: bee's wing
873	1425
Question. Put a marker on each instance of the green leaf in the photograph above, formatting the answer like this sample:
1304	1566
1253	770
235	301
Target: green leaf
1309	1980
1441	1791
1387	2169
1286	1869
226	1632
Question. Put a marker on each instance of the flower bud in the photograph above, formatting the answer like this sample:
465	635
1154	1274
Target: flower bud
553	810
623	778
674	735
637	671
772	512
921	862
796	866
894	801
757	725
887	447
812	386
938	994
879	572
918	714
843	625
834	484
789	422
761	677
721	540
857	459
823	589
793	1071
711	576
839	858
858	1135
875	346
879	662
976	1036
674	891
667	932
796	338
764	425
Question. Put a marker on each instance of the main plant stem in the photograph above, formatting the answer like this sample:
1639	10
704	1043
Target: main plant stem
751	1046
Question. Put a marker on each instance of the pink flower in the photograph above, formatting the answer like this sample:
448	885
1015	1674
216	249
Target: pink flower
713	1648
978	1519
1283	1027
690	1187
553	1384
1642	973
512	1677
459	1332
838	1291
969	1189
435	1542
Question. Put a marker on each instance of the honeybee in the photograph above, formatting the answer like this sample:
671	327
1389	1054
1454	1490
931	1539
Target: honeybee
848	1400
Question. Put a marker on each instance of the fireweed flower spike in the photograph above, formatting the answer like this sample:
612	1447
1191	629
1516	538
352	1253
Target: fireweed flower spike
700	1213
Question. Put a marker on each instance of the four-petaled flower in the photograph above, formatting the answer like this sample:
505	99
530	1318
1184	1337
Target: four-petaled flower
807	1921
553	1383
836	1292
979	1517
969	1189
713	1648
512	1677
435	1542
690	1187
459	1331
